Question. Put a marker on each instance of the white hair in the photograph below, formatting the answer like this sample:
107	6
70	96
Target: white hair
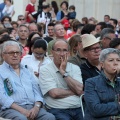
105	52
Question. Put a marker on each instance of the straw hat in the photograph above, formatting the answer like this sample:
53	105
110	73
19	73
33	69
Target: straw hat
88	40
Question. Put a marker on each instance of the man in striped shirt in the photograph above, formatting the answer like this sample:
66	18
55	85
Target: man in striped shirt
20	96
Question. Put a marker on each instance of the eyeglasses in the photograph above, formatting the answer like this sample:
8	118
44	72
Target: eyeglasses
94	49
59	51
18	53
21	19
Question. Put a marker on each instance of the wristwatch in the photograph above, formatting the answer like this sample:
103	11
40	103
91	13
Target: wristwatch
65	75
37	105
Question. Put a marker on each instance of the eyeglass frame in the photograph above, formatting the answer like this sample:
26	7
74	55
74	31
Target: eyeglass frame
12	53
93	49
21	19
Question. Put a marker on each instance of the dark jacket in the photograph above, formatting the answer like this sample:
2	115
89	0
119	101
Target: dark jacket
88	71
72	15
101	98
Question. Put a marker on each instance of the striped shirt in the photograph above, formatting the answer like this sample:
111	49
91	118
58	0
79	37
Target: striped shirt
25	87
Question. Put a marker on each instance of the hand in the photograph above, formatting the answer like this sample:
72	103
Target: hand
63	64
36	74
33	112
25	112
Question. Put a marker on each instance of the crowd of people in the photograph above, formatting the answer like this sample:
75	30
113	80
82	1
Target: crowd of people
48	59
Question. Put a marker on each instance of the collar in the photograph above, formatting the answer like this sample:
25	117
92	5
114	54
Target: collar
108	81
31	4
55	68
89	65
9	66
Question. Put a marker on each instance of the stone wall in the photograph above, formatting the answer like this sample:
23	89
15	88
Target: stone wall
96	8
89	8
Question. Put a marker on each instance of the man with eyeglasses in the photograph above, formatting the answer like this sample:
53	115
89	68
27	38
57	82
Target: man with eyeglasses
61	84
91	49
20	96
21	19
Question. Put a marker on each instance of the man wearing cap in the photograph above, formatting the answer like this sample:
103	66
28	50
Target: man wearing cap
91	49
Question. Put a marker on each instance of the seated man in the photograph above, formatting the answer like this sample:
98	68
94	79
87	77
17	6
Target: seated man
91	50
62	85
20	97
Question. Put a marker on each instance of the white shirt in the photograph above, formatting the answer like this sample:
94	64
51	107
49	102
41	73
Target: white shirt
8	10
33	63
51	78
44	19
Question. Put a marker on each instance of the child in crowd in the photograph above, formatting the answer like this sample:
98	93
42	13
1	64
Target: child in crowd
72	12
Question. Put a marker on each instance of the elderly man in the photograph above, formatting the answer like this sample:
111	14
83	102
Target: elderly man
20	97
62	85
91	49
59	32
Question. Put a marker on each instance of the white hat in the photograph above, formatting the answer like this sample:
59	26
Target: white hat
88	40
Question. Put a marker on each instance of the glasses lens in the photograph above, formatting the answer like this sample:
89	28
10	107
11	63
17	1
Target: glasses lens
21	19
13	53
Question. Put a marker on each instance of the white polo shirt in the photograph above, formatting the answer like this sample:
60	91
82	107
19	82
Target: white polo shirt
51	78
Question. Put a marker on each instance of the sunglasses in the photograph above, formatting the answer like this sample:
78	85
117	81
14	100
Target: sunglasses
22	19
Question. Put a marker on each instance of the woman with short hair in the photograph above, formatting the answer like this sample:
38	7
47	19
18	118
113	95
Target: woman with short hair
102	93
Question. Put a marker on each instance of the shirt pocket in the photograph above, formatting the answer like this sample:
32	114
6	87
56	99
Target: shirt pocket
102	94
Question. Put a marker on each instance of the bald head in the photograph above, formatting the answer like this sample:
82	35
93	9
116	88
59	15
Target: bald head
60	43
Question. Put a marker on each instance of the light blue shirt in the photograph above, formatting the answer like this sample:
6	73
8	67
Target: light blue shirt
26	89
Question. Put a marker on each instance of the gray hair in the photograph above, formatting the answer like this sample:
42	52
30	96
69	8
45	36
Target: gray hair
105	32
11	43
23	25
57	25
105	52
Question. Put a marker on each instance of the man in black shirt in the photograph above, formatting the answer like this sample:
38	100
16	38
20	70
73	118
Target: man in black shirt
92	49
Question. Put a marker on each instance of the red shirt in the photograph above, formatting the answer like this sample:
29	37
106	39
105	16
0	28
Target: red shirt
29	8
